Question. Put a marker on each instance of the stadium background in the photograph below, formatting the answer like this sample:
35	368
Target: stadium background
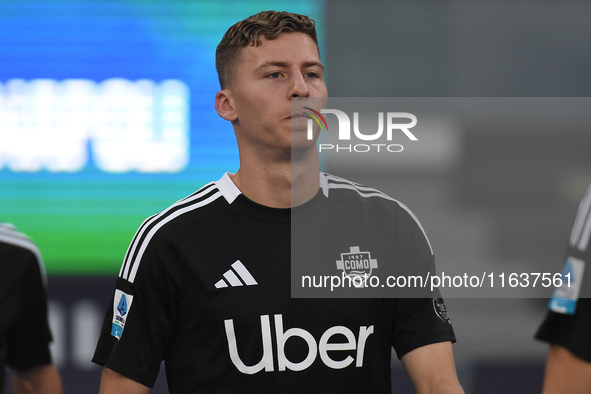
509	199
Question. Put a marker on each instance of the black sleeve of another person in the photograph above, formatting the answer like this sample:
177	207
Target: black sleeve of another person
29	336
573	332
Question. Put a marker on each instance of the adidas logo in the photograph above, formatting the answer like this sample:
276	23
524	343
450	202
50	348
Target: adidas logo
238	275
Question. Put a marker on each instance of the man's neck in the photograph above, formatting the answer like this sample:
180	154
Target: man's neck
279	183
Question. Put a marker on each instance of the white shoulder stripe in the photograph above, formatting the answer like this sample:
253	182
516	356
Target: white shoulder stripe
364	191
136	263
338	179
584	241
136	240
11	236
136	244
418	223
581	230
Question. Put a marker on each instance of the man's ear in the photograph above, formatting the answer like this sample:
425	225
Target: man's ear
224	105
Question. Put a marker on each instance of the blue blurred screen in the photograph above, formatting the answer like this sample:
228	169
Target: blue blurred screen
107	117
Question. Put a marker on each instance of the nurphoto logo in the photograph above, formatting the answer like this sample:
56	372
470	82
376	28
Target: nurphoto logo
396	122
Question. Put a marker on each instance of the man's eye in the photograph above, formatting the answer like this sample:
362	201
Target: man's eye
311	75
274	75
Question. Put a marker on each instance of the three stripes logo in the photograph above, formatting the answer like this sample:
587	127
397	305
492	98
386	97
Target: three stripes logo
238	275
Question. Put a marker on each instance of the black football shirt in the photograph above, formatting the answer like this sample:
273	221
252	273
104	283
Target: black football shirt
205	287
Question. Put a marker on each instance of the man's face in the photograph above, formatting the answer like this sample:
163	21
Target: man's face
266	78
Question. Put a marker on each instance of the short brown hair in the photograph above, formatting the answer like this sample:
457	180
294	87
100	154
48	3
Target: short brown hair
268	24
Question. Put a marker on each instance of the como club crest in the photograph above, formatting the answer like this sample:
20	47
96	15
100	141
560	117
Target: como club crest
357	263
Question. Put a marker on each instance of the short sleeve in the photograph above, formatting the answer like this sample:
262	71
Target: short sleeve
572	332
29	337
572	329
140	322
418	321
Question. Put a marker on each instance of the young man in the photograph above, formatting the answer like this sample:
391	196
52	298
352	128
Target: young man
205	285
567	327
24	329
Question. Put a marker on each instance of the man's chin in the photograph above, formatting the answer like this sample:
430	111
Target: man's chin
302	147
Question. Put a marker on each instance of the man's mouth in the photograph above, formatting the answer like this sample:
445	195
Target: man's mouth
297	116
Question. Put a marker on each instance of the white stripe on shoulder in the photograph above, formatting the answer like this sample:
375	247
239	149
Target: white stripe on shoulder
581	230
367	192
364	191
228	188
584	242
135	265
130	264
9	235
148	222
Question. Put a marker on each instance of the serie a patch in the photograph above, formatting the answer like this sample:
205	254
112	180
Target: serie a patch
121	306
441	310
565	297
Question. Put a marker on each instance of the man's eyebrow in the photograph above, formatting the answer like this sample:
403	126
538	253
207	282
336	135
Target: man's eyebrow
314	64
276	63
273	63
